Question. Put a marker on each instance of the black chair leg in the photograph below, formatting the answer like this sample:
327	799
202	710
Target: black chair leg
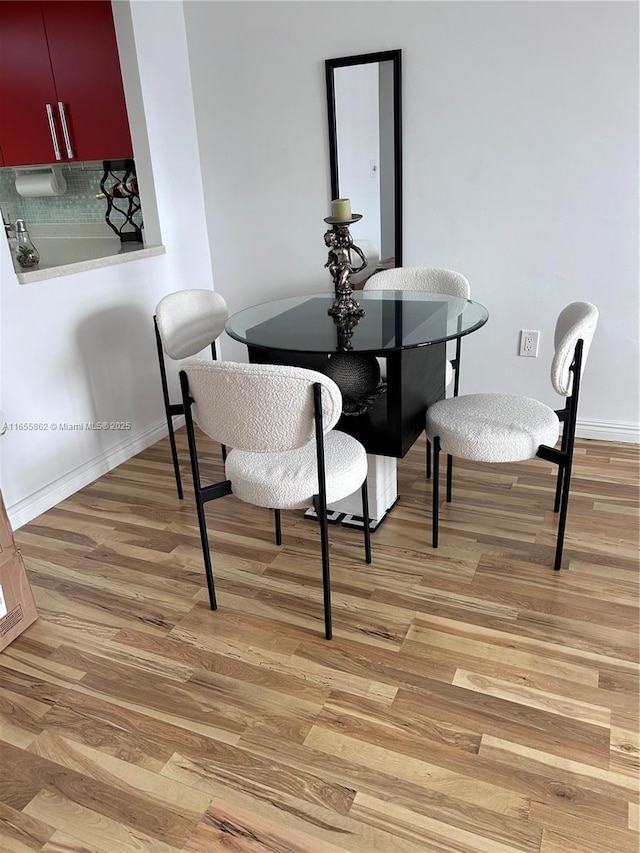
278	521
198	491
167	410
559	482
449	476
436	490
321	512
428	460
366	521
562	469
562	521
174	455
206	555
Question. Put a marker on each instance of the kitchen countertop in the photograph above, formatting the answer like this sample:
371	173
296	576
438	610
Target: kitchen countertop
69	249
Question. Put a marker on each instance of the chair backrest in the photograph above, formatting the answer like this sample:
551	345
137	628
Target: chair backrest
190	320
431	279
259	407
576	322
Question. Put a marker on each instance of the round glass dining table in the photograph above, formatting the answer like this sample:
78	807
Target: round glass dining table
393	320
409	330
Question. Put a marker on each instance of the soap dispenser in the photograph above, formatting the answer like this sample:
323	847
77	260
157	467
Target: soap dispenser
26	253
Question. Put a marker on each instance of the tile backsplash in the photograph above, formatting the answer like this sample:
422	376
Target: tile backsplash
78	205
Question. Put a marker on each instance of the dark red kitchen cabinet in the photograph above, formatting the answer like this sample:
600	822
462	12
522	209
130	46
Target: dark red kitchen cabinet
86	69
26	86
61	94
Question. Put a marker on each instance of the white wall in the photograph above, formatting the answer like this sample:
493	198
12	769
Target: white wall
81	348
520	164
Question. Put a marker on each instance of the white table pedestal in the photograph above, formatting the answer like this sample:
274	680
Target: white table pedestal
382	484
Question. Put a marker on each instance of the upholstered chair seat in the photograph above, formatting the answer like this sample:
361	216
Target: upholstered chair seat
289	480
492	427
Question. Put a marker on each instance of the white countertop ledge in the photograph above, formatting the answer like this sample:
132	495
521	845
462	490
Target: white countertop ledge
59	257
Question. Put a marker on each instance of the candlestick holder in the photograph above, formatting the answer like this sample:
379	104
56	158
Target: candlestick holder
340	243
356	374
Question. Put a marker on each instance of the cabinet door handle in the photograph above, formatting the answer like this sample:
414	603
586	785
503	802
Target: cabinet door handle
54	135
65	130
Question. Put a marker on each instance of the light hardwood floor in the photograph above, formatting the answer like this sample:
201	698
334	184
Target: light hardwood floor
472	700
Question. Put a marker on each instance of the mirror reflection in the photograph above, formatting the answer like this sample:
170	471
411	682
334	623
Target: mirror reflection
364	109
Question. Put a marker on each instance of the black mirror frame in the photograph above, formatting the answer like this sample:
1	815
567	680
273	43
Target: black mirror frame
394	56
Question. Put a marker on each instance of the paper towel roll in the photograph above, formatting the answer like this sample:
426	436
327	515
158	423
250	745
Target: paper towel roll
40	182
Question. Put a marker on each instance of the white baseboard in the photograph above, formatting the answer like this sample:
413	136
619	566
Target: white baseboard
608	431
68	484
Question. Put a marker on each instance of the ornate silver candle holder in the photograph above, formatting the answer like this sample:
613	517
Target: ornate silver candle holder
356	374
340	243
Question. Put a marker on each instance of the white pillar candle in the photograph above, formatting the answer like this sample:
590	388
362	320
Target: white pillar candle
341	209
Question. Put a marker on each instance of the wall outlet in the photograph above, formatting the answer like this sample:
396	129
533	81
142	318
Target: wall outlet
529	343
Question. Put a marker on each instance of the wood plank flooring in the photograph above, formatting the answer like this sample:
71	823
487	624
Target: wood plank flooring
472	700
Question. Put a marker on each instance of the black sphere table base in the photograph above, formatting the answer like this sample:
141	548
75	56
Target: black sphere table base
357	375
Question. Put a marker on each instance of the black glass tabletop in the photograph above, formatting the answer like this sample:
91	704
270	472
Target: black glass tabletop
393	319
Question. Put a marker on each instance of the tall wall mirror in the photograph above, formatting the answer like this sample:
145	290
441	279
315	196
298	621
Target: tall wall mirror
365	146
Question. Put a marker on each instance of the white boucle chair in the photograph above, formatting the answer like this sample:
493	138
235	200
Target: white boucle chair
286	455
185	323
431	280
511	428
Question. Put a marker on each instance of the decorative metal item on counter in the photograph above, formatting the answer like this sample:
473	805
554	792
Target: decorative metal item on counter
119	186
26	253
